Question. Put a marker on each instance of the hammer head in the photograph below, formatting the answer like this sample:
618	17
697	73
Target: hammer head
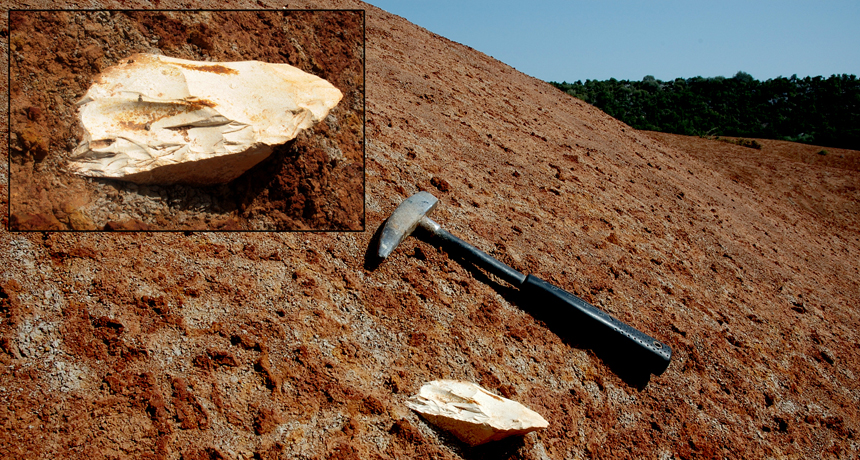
403	221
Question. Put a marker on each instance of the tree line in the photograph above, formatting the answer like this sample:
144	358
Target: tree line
812	110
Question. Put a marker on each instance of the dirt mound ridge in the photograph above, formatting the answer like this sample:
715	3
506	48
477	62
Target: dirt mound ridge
290	345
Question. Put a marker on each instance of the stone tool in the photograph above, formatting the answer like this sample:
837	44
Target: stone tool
153	119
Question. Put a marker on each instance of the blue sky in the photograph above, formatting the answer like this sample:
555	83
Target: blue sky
579	40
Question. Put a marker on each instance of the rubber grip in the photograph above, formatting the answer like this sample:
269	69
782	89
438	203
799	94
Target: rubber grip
560	308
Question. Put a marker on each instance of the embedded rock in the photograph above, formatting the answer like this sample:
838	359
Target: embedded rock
155	120
472	413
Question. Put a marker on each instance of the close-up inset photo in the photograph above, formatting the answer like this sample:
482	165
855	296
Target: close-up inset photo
181	121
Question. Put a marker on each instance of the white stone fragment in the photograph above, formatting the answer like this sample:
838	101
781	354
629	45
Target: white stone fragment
156	119
472	413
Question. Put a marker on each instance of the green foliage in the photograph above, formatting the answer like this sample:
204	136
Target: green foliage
743	77
810	110
753	144
750	143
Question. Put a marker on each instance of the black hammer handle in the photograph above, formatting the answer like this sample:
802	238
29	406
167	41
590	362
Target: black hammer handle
559	308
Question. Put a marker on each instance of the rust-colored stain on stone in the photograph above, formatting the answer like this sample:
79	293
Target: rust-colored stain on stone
216	69
196	104
125	124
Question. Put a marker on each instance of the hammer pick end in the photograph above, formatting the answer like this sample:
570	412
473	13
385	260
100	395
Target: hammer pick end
402	222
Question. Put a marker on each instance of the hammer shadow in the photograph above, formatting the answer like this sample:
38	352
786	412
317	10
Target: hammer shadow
371	255
576	335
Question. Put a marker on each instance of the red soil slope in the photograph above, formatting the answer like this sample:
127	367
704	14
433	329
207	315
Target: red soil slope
295	345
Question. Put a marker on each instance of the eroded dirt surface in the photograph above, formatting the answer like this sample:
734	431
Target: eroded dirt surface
313	182
298	345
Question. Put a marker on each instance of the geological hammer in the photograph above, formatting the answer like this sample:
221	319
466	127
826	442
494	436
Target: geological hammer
550	303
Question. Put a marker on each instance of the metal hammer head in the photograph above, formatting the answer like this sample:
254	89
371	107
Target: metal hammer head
403	221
